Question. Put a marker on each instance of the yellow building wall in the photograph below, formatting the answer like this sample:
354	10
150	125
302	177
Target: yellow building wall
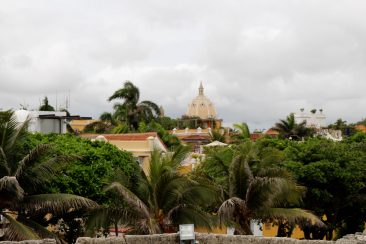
138	149
79	125
271	231
216	230
135	147
185	169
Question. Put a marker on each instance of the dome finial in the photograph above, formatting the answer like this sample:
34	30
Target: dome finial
200	89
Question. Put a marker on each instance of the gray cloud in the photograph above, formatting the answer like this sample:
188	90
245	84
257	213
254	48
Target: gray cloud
259	60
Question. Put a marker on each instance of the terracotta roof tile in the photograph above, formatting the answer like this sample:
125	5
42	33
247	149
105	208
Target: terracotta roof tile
271	131
130	136
360	128
123	137
195	137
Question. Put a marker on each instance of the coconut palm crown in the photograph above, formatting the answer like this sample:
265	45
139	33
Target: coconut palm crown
132	110
242	132
288	128
21	176
164	197
255	188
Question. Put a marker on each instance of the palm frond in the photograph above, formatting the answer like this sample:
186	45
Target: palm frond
16	131
229	207
243	130
148	226
55	203
262	191
187	214
130	198
180	153
31	158
31	178
17	231
104	217
4	161
293	215
10	191
129	92
152	106
39	230
240	175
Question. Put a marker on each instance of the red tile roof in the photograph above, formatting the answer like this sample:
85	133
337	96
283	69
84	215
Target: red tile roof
271	131
360	128
255	136
130	136
126	137
196	138
123	137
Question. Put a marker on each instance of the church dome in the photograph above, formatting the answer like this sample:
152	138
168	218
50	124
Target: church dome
201	106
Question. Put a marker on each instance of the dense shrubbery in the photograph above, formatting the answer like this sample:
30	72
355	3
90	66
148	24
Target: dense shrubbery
334	174
96	165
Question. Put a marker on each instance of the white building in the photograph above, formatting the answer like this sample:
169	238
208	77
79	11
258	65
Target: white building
43	121
317	120
314	119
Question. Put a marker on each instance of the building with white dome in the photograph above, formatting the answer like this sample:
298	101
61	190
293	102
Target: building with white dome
201	108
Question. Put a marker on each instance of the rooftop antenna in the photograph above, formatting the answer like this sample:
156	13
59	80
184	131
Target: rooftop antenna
68	104
56	102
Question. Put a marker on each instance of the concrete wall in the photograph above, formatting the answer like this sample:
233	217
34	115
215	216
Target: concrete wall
212	239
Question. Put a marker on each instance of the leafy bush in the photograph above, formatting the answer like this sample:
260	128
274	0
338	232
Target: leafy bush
96	163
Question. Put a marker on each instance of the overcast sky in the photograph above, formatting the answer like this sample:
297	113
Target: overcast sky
258	60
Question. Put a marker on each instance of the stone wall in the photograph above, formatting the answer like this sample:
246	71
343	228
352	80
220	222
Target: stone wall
213	239
44	241
358	238
200	238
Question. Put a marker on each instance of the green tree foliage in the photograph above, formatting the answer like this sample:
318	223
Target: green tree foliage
164	197
96	164
22	180
171	141
335	176
167	123
253	186
288	128
241	132
46	106
340	124
132	111
98	127
217	136
362	122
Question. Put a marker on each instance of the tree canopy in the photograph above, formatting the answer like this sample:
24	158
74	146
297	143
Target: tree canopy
46	106
22	180
96	163
132	110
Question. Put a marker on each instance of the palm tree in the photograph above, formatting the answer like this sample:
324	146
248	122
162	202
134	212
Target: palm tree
21	176
243	131
132	111
164	197
46	106
217	136
288	128
254	187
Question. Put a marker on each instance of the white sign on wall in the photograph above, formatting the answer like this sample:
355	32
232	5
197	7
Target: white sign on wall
186	232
